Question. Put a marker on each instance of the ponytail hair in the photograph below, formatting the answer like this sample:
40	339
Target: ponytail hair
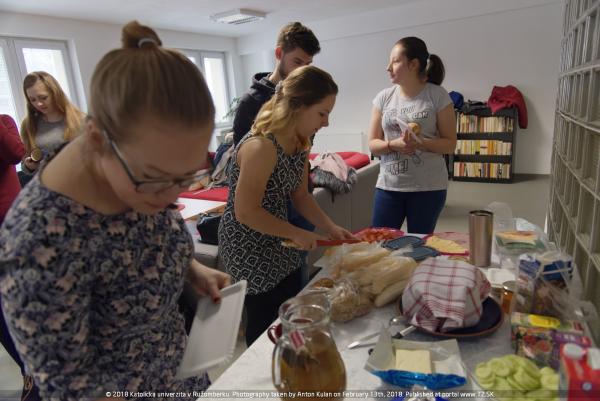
430	65
305	86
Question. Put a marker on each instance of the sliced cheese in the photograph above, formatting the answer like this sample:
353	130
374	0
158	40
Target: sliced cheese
444	245
418	360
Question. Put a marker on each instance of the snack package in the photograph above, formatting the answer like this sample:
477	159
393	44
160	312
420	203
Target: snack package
540	281
344	300
343	259
539	338
579	373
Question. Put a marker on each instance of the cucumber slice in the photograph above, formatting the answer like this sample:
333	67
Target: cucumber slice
540	394
514	383
501	384
550	381
483	372
529	366
487	385
547	371
526	380
499	367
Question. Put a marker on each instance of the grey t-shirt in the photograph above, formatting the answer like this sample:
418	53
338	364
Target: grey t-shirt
422	171
50	136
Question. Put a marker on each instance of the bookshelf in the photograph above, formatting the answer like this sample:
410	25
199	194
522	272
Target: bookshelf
485	146
574	202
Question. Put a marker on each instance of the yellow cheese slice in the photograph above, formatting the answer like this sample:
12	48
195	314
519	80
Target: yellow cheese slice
444	245
418	360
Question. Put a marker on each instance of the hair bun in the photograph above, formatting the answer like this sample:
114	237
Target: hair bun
134	36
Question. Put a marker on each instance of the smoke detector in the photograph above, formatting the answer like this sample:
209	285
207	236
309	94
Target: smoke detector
238	16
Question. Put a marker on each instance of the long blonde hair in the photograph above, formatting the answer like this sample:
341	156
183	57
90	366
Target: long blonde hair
72	116
142	78
305	86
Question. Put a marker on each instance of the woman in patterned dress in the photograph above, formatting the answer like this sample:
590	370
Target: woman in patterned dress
92	256
269	166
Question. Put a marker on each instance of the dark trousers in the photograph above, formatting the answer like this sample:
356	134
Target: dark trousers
262	309
30	390
296	219
420	209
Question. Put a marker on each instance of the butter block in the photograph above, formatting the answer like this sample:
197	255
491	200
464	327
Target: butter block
413	360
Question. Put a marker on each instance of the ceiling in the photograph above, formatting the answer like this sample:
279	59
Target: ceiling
192	15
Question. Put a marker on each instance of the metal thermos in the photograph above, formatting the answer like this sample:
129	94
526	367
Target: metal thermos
480	237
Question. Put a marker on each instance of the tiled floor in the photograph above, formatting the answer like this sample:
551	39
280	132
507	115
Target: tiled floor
527	196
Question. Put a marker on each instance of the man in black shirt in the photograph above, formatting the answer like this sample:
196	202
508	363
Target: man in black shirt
296	46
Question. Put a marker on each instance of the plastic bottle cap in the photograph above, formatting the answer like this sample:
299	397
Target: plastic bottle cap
509	285
593	358
573	351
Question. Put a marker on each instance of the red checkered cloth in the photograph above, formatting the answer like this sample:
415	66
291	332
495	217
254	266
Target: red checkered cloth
445	294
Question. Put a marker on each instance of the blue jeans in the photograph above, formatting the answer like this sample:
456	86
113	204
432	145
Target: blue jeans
296	219
420	209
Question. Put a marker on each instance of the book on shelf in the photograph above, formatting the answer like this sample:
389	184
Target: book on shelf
468	123
482	170
483	147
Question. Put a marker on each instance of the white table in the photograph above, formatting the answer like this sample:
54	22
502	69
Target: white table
194	207
251	372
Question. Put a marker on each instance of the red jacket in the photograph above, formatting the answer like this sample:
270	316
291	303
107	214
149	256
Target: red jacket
11	152
508	96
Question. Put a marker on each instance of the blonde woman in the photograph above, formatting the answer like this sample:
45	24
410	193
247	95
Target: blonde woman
51	119
93	259
268	167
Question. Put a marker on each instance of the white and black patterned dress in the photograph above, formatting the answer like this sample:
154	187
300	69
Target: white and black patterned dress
248	254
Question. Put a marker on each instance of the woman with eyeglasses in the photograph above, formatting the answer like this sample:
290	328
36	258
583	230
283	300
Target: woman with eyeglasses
51	120
92	257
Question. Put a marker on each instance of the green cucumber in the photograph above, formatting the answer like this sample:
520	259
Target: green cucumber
526	380
500	367
547	371
483	372
550	381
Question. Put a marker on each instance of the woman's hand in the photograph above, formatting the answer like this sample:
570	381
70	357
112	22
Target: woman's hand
404	145
208	281
411	141
31	164
307	240
337	232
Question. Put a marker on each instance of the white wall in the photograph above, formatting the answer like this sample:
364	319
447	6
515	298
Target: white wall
482	43
89	41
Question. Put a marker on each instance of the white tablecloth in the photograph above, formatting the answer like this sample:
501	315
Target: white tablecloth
250	375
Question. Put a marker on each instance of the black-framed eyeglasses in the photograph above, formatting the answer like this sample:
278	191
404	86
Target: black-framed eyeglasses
153	186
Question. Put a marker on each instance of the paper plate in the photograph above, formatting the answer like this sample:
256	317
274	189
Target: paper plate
214	331
491	320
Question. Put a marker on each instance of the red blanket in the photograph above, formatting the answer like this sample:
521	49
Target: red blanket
353	159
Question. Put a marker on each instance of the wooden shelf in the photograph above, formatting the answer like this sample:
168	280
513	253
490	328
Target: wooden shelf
505	136
507	159
493	136
482	179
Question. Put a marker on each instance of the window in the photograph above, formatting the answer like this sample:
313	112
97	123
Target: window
19	57
213	67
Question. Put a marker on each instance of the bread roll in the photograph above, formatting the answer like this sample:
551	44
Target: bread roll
415	128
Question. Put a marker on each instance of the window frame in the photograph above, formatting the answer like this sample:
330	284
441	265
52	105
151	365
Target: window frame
17	68
200	55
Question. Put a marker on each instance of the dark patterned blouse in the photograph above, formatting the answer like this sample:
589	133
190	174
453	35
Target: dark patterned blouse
248	254
91	300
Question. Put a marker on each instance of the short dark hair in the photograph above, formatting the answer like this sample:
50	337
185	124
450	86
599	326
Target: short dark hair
295	35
